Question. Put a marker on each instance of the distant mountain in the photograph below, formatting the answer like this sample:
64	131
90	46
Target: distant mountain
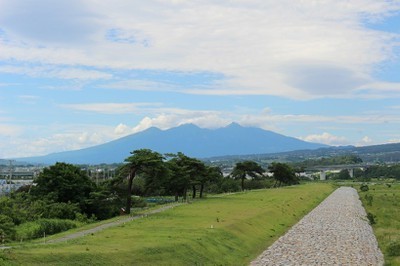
189	139
382	153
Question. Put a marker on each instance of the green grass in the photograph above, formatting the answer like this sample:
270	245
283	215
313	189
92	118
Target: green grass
385	206
229	230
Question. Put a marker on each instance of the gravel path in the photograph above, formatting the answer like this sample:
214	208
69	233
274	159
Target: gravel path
336	232
111	224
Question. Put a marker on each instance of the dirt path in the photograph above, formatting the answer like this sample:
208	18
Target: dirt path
110	224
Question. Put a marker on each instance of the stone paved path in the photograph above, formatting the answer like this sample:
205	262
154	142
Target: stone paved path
336	232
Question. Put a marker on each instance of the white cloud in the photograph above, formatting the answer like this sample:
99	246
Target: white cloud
110	108
48	21
9	130
139	85
260	47
56	72
28	99
326	138
204	119
15	143
122	129
366	140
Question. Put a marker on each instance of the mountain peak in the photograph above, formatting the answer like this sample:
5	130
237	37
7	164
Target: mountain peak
189	139
233	125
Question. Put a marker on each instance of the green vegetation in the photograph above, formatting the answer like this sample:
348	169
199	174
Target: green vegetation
221	230
283	174
328	161
43	227
382	203
247	168
66	192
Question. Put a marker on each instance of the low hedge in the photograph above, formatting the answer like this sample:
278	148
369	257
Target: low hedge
41	227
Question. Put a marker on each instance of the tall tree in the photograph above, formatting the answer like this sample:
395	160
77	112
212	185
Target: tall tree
143	161
283	173
213	175
186	172
247	168
63	182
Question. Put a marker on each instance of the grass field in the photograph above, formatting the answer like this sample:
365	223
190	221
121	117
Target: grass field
228	230
385	206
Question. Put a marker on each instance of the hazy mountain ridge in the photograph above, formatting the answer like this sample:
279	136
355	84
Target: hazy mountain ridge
189	139
382	153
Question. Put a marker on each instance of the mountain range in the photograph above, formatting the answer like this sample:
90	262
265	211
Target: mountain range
189	139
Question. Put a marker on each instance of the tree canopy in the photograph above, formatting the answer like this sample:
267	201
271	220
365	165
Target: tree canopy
247	168
143	161
283	174
63	182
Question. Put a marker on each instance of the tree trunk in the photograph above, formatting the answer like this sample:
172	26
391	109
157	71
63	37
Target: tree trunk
201	190
194	191
185	194
176	196
242	183
129	192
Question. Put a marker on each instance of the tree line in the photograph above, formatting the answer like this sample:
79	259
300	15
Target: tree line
65	191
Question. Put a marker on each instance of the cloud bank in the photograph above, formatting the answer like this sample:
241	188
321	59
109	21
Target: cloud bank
295	49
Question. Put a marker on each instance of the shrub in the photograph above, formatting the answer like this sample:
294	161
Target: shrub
229	185
258	184
7	230
364	187
36	229
371	218
394	248
138	202
369	198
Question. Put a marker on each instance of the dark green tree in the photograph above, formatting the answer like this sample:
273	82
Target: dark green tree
283	174
247	168
185	172
344	174
213	175
142	162
63	182
7	230
178	179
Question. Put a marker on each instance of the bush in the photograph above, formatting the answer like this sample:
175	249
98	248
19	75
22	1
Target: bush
229	185
393	249
37	229
369	198
364	187
138	202
7	230
258	184
371	218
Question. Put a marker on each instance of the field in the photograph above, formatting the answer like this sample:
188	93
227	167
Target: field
225	230
385	206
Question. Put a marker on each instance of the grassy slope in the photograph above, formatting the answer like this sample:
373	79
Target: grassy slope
386	207
230	230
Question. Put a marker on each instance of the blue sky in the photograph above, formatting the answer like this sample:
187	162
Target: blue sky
78	73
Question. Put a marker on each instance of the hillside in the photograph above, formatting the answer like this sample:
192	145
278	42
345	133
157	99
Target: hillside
189	139
383	153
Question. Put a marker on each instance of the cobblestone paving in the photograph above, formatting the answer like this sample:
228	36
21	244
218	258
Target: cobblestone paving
336	232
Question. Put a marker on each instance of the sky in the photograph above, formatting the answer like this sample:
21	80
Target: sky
78	73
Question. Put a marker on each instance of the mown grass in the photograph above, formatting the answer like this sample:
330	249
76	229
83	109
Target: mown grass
230	230
385	206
